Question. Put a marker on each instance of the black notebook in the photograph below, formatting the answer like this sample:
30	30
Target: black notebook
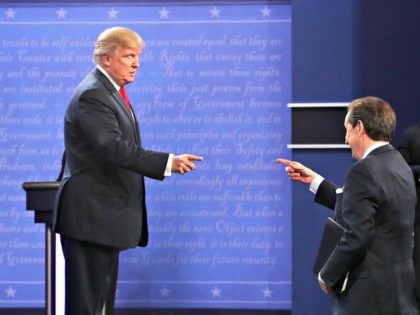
330	237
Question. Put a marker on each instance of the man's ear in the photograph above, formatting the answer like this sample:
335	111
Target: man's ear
105	60
360	126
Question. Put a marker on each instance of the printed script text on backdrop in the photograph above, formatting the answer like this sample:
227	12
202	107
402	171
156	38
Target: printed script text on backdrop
214	80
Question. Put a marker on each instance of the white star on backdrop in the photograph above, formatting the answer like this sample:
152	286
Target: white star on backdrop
10	292
112	14
164	14
61	14
214	13
10	14
267	292
265	12
215	292
164	292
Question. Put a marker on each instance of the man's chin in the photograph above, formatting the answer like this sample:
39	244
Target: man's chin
130	80
355	156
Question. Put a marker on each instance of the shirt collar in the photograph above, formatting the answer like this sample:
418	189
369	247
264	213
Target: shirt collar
99	67
373	147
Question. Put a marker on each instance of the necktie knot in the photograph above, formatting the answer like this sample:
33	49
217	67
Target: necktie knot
124	96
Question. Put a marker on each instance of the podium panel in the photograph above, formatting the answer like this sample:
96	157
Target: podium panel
40	198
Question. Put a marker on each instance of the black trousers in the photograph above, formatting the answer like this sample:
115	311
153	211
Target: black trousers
91	272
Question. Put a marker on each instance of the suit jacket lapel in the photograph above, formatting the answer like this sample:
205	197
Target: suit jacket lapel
137	130
117	96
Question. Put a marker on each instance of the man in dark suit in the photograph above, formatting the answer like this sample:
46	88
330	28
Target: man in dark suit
410	150
100	206
376	208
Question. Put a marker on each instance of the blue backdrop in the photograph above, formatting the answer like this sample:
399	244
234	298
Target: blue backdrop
214	80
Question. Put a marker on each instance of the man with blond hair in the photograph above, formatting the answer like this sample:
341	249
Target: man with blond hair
100	207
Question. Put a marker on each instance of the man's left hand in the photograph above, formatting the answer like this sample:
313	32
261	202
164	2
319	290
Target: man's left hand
324	287
183	164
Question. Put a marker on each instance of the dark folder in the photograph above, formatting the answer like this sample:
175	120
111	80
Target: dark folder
330	237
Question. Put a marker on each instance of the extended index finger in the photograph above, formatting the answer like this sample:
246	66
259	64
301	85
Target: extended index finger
284	161
192	157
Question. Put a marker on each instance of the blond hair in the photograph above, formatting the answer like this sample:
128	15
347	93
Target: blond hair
114	38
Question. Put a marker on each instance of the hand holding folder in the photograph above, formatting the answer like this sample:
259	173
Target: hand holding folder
330	237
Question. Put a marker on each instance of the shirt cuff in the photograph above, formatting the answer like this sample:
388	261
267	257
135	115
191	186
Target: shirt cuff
320	279
168	169
315	183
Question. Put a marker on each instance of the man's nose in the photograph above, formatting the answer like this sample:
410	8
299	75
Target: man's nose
136	62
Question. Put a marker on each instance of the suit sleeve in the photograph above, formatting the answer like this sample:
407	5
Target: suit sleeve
326	194
111	133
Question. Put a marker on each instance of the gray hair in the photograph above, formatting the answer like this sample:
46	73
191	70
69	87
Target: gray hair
377	115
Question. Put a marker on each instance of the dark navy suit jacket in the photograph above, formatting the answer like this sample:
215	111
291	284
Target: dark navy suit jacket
376	207
410	150
102	199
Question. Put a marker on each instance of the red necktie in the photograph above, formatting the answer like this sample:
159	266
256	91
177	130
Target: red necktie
124	96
